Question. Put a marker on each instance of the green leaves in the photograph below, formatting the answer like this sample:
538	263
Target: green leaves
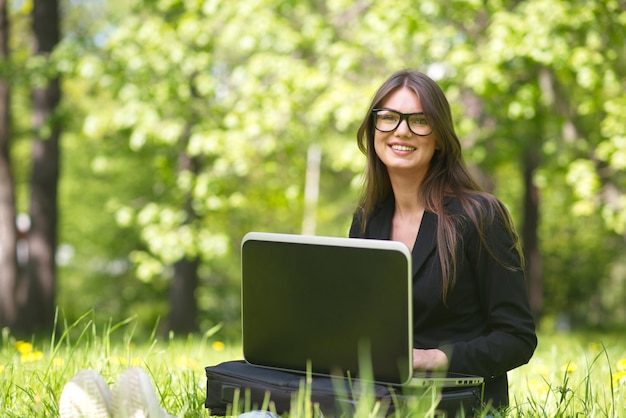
240	90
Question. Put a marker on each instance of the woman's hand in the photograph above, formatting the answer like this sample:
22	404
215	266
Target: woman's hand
429	360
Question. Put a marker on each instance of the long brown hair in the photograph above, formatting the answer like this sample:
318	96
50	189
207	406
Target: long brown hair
447	174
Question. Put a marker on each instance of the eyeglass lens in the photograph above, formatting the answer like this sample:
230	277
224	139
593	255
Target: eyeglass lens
386	120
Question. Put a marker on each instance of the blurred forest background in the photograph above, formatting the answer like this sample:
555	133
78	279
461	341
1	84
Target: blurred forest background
140	140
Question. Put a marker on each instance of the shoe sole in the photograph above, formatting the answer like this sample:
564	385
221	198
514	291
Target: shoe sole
86	395
134	396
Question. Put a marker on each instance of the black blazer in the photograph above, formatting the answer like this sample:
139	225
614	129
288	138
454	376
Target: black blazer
485	327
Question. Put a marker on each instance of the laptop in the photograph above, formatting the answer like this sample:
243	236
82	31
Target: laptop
341	306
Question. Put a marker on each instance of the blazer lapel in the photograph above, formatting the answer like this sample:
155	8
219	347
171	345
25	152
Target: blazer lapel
380	224
426	241
380	228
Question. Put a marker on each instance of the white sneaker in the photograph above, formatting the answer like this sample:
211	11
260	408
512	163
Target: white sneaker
85	396
258	414
133	396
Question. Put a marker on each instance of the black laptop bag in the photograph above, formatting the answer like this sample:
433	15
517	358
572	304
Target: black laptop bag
254	386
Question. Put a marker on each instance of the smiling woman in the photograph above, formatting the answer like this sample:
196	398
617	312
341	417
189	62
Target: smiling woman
470	307
403	141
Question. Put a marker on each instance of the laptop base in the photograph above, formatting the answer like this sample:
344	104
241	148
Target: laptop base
257	388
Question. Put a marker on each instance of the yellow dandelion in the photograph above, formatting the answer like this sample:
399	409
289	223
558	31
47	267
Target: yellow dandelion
621	365
541	370
218	346
136	361
32	356
181	361
595	347
569	368
58	361
537	386
1	368
119	360
23	347
619	379
185	362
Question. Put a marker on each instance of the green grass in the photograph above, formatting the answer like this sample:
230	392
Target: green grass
581	375
572	375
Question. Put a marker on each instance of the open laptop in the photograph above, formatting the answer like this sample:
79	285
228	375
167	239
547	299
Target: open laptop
342	304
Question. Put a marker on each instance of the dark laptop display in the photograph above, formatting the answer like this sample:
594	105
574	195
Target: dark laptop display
335	302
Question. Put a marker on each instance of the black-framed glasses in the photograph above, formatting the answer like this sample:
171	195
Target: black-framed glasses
387	120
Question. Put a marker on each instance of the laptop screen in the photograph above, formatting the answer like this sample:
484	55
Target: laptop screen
339	303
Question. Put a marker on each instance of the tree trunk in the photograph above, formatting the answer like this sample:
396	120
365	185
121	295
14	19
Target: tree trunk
38	312
8	232
311	189
183	317
530	234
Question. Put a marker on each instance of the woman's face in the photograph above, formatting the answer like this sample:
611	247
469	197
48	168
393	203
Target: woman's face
402	151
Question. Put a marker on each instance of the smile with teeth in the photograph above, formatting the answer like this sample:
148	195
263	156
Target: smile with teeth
399	147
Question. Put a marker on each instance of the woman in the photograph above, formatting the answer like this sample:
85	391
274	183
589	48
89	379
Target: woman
471	311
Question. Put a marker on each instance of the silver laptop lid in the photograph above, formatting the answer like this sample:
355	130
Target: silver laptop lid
329	301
